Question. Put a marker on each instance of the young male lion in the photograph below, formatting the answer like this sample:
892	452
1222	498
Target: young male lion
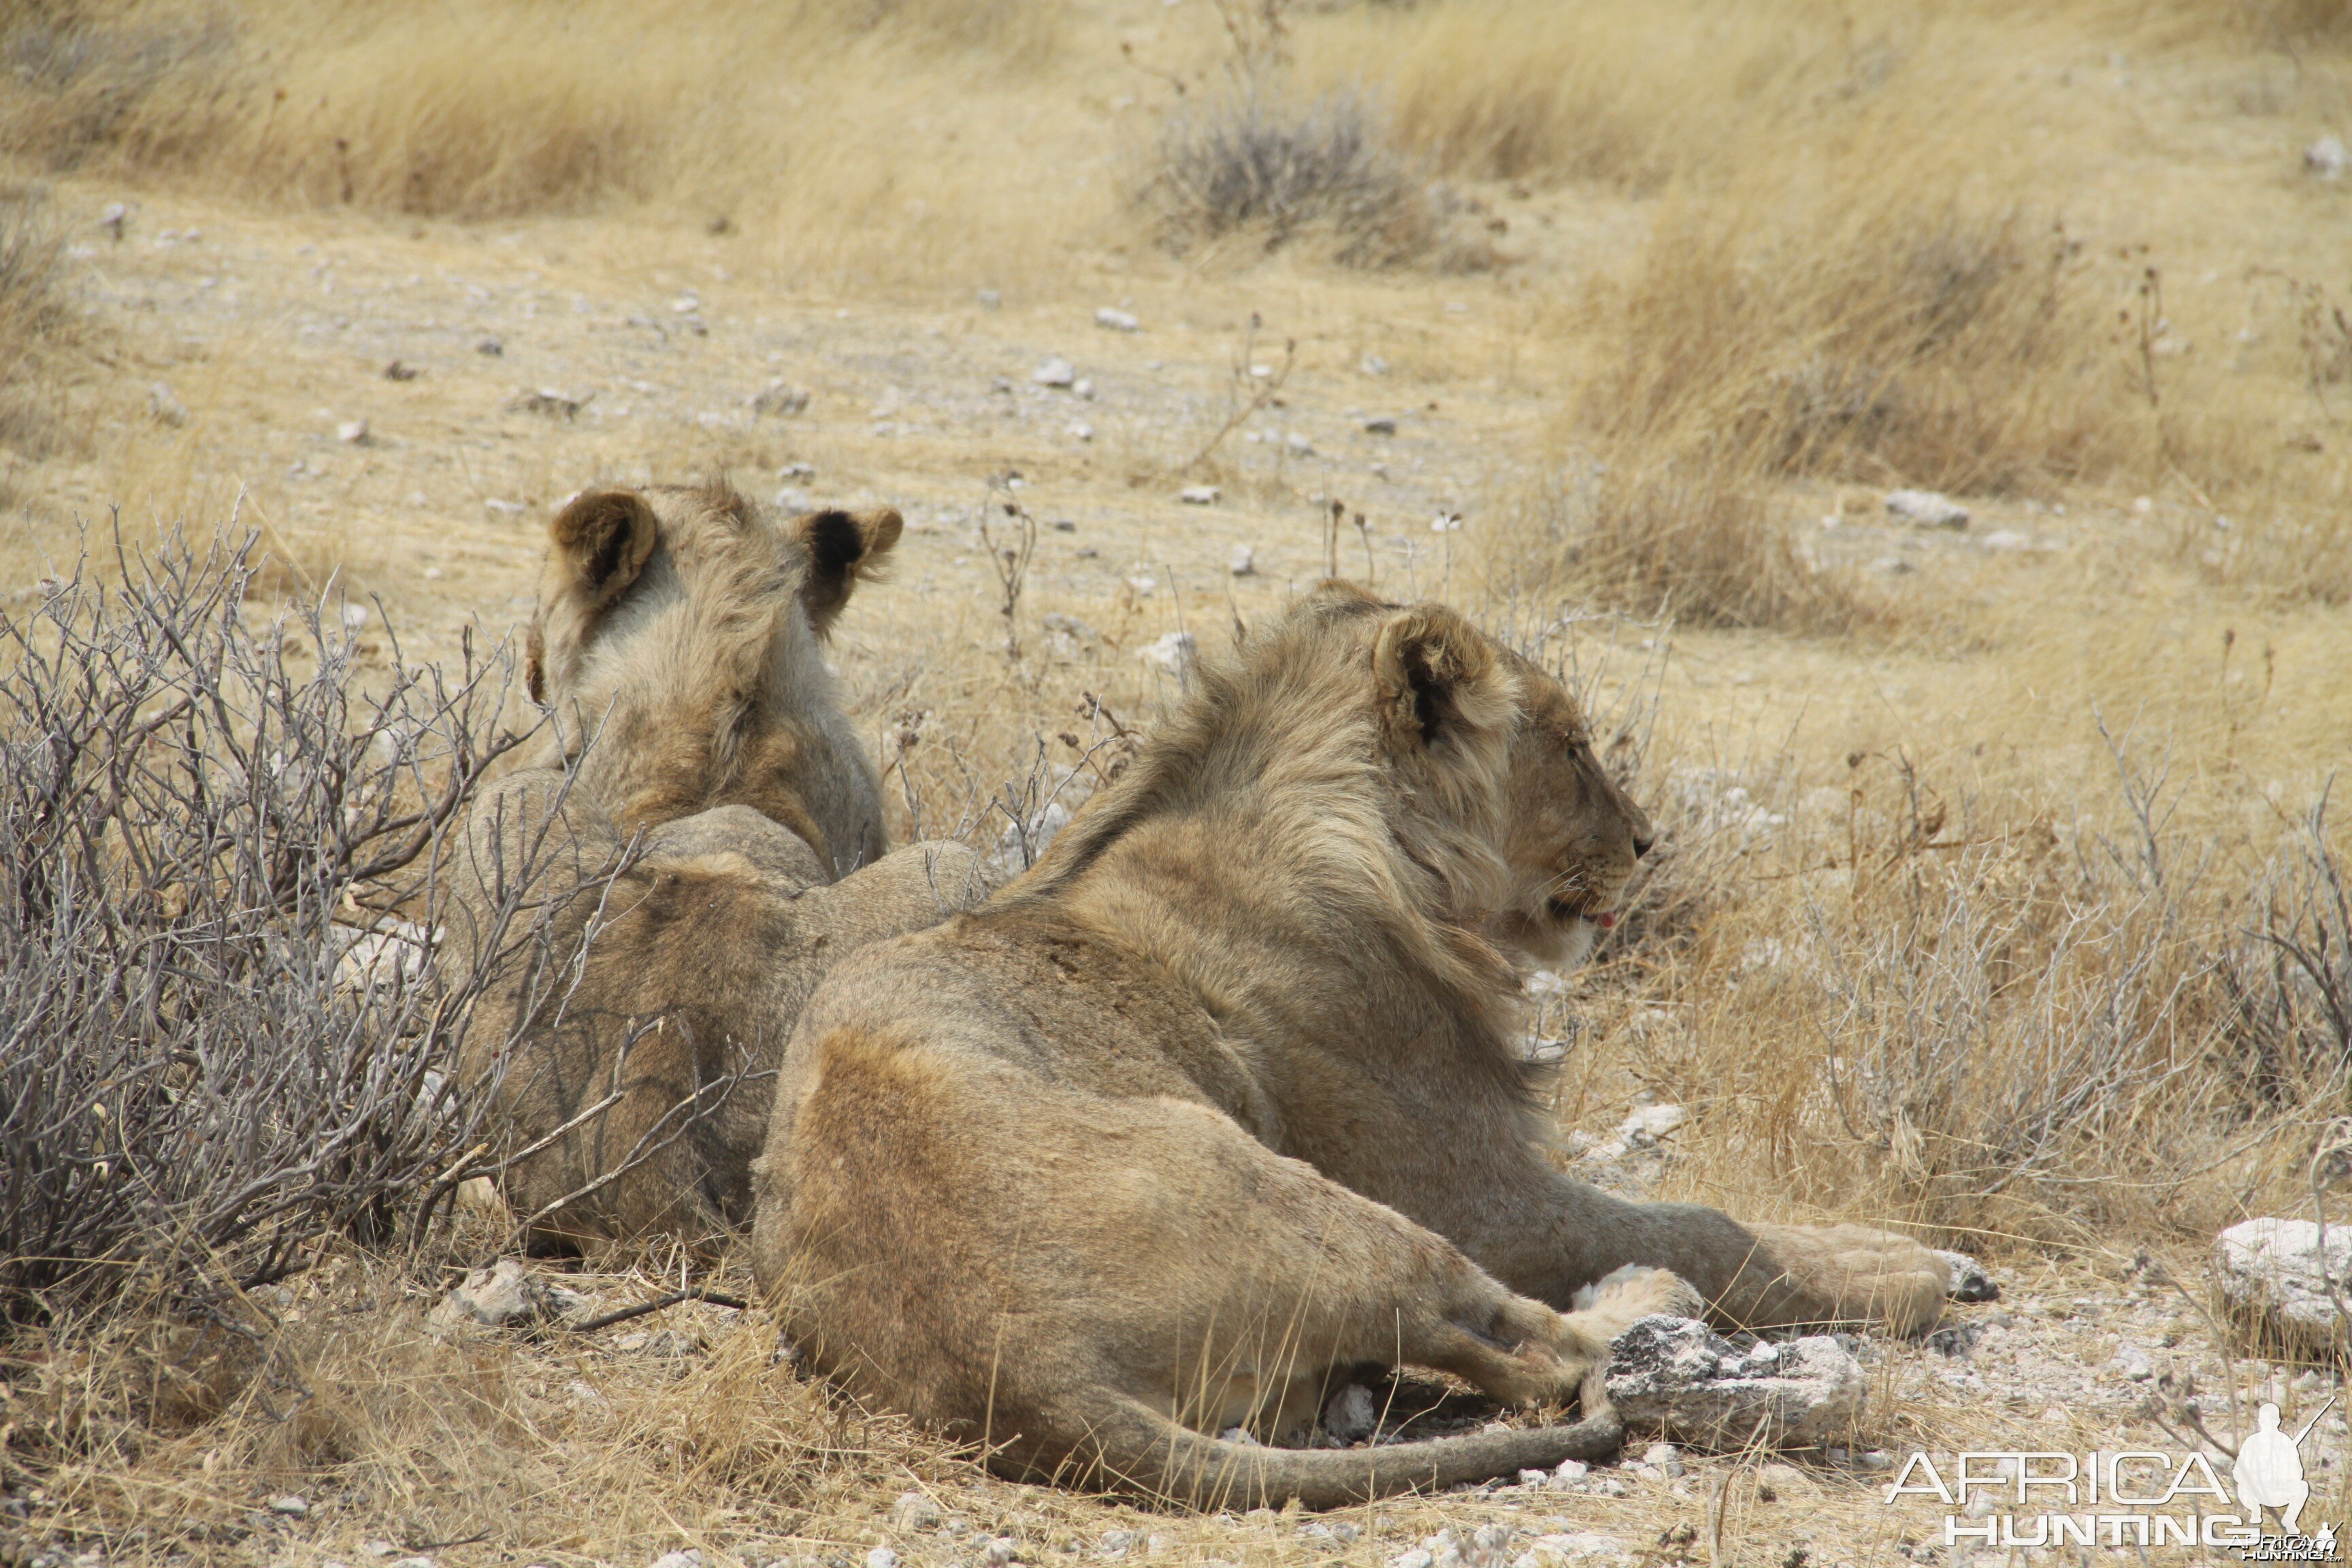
677	640
1219	1098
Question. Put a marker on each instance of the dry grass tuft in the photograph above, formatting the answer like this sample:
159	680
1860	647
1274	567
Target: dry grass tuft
34	321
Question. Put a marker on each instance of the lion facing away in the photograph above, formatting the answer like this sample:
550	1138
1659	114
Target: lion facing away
677	640
1217	1103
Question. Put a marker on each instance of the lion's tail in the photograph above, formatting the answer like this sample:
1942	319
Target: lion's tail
1138	1449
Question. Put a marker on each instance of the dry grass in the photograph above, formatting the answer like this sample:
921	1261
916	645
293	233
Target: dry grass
33	317
1857	269
1922	949
797	125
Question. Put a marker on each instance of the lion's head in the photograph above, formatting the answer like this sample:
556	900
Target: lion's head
1478	765
679	630
1501	751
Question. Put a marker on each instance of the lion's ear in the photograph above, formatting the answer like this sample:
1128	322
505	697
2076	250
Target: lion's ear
1441	686
534	663
603	539
844	547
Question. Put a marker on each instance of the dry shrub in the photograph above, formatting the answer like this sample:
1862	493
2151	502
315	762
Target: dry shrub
1972	1023
2289	981
214	1054
1255	159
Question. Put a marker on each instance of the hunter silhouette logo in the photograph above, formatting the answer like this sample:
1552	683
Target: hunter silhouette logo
2268	1471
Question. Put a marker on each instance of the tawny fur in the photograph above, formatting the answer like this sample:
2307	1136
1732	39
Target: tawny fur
1219	1100
678	642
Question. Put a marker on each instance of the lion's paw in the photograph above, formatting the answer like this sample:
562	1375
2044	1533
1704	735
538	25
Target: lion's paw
1849	1274
1633	1291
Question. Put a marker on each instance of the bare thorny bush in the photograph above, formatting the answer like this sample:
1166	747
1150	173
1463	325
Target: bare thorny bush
224	1040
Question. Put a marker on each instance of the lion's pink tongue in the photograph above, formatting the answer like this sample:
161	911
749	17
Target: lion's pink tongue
1605	922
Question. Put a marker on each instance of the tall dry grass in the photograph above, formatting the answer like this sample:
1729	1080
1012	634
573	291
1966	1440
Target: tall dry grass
34	322
832	132
1882	248
2060	1003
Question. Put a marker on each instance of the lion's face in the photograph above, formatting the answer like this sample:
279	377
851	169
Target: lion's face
1489	748
681	629
1572	834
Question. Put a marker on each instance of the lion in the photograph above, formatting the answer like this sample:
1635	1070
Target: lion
1218	1103
699	747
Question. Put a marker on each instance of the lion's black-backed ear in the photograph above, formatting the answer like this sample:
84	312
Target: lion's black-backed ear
602	538
534	662
843	548
1441	685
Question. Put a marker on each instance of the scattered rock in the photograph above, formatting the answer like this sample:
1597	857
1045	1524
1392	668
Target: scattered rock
1299	445
797	472
1079	430
550	402
1172	653
1381	424
881	1557
1373	364
1055	371
1955	1339
1675	1376
490	346
290	1506
779	399
1016	851
793	500
2006	539
401	370
1351	1415
1117	321
1664	1458
913	1510
1969	1280
691	1557
2327	157
1648	1124
999	1550
1084	389
1199	495
1582	1546
2278	1272
503	1294
1243	562
685	304
165	406
2133	1363
989	299
353	433
1926	509
113	219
